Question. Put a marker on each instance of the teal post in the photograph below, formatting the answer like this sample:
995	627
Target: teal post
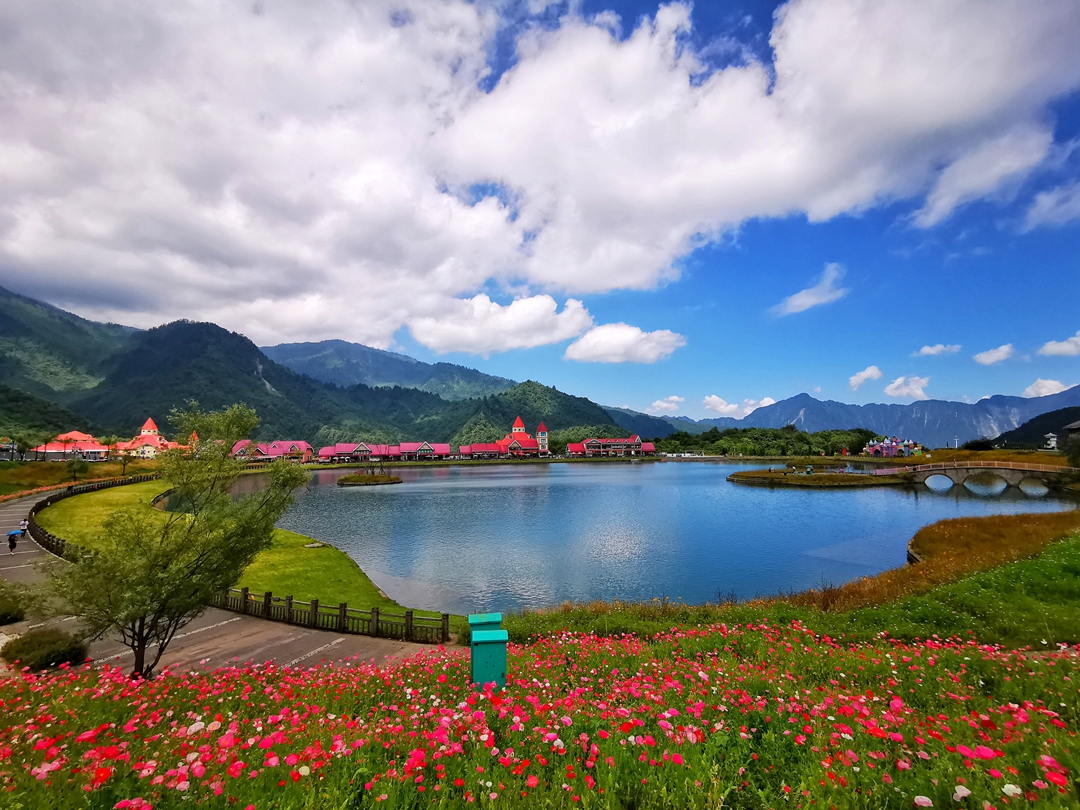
488	649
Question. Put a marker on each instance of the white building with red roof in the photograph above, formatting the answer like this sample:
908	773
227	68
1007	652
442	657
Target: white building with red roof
518	443
299	451
72	443
603	448
148	444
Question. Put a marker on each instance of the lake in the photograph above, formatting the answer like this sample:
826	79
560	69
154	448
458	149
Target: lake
466	539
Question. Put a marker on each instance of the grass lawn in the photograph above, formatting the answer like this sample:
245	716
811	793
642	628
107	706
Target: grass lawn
16	476
286	568
820	479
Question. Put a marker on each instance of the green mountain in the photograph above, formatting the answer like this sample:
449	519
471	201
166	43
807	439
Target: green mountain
347	364
1032	434
51	353
23	414
168	366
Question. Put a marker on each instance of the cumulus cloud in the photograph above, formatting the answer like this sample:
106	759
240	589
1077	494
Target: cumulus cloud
481	326
868	373
1044	388
824	292
936	349
992	356
1070	347
298	171
621	343
725	408
908	387
666	405
1054	207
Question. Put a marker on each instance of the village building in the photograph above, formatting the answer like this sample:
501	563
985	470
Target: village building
70	444
360	452
518	443
148	444
604	448
298	451
893	448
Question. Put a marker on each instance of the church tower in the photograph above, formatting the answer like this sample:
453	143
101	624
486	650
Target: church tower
519	426
542	438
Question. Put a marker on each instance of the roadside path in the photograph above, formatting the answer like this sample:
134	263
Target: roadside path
217	638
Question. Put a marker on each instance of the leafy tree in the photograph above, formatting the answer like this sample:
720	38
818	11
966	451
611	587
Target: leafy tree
1072	451
77	465
151	573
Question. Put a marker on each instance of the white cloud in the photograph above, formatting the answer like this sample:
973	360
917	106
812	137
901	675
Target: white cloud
298	171
481	326
725	408
1044	388
868	373
936	349
1070	347
908	387
720	405
1054	207
621	343
824	292
666	405
984	169
817	390
992	356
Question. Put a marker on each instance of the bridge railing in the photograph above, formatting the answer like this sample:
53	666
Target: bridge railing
995	465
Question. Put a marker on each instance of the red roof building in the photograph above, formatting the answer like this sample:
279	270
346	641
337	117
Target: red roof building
70	444
147	444
603	448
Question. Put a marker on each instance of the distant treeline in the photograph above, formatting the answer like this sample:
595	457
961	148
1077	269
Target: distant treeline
785	441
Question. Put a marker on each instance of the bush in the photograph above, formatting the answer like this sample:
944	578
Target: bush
10	610
44	649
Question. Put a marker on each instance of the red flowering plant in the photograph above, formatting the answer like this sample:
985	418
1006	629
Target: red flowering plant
749	716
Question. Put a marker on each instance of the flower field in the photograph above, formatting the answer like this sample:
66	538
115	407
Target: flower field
741	716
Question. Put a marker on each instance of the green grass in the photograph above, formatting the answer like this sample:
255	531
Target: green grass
1032	602
79	519
17	476
329	575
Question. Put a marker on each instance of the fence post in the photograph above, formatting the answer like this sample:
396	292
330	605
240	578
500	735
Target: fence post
268	601
445	627
374	629
408	626
243	600
341	612
288	609
314	620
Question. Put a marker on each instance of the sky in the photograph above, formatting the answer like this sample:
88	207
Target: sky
679	209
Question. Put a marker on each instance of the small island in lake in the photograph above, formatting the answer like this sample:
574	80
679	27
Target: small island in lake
787	477
366	480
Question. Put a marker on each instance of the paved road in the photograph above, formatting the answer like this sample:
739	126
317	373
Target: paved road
217	638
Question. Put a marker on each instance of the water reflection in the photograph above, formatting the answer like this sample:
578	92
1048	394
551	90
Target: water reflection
498	537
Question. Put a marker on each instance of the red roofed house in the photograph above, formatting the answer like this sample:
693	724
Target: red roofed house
73	443
601	448
345	452
147	444
479	450
519	444
294	451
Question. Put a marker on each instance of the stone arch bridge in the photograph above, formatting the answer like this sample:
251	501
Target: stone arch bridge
1011	473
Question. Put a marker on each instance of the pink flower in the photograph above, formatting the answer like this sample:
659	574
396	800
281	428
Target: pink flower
923	801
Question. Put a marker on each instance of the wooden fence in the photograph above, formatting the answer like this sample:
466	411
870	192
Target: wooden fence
339	618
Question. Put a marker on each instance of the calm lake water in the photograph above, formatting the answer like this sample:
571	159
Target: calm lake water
467	539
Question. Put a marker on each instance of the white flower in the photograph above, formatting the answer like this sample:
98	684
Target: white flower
1011	790
961	792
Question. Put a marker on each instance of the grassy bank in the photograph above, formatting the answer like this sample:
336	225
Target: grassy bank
823	480
17	476
362	480
286	568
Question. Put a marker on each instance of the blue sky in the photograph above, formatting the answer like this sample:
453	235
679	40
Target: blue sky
685	210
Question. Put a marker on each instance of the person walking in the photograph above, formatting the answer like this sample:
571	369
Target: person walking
13	541
24	524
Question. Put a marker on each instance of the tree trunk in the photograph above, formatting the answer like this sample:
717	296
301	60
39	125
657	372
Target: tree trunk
139	648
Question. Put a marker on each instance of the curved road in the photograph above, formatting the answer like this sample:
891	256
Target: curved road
217	638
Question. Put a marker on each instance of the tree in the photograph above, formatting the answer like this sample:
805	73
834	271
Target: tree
1072	451
77	465
151	573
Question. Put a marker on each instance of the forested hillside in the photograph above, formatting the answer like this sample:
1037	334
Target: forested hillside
51	353
345	364
786	441
1032	434
23	414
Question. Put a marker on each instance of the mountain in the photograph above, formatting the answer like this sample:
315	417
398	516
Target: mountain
23	413
346	364
651	427
1032	434
51	353
934	423
165	367
168	366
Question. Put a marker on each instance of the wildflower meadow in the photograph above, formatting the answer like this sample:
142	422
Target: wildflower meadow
746	716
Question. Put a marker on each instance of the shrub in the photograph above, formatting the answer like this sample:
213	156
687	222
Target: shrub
10	610
44	649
